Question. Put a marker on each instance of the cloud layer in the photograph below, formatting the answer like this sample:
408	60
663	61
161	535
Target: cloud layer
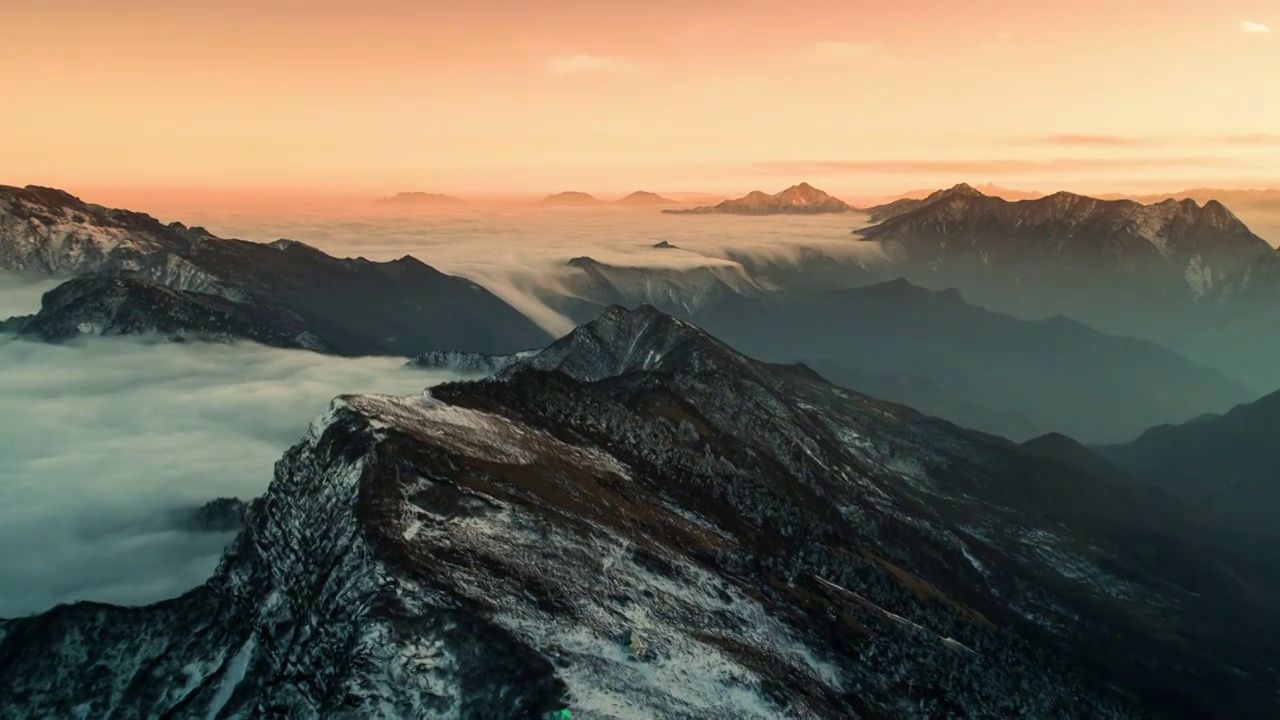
514	250
1249	26
103	440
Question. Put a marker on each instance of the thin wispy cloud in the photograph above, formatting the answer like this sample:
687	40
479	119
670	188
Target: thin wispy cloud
1249	26
839	52
985	166
1090	140
582	64
1253	139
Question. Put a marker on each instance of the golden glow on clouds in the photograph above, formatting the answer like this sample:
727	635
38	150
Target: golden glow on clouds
507	96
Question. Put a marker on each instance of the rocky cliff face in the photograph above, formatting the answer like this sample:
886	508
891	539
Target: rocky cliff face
355	306
640	522
104	305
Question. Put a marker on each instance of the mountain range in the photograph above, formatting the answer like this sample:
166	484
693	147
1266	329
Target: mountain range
1185	275
928	349
802	199
961	228
353	306
639	521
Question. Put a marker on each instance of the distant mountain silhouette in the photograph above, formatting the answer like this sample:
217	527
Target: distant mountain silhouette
422	199
570	199
985	188
641	197
904	205
1227	464
802	199
962	228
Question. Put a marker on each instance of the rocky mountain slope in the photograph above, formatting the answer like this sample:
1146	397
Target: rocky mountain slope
97	304
596	285
1228	464
802	199
354	306
904	205
640	522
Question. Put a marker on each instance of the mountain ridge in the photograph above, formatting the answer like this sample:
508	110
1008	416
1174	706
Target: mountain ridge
698	534
356	306
802	199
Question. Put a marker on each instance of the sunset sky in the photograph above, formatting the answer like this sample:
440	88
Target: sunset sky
516	96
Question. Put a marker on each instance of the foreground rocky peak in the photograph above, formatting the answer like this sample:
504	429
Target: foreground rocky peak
640	522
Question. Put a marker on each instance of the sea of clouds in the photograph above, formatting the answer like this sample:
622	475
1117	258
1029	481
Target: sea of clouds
515	250
106	440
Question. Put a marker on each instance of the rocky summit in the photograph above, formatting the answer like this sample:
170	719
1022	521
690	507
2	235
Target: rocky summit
802	199
640	522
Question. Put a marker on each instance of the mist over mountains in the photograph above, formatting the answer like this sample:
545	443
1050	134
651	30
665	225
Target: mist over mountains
721	467
116	435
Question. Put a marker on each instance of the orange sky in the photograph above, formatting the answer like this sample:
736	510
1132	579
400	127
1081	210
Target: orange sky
512	96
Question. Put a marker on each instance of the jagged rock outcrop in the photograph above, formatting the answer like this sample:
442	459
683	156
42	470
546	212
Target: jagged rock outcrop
219	515
465	363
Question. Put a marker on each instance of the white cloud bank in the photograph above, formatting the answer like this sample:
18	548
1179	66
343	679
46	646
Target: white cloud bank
21	296
1250	26
103	440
